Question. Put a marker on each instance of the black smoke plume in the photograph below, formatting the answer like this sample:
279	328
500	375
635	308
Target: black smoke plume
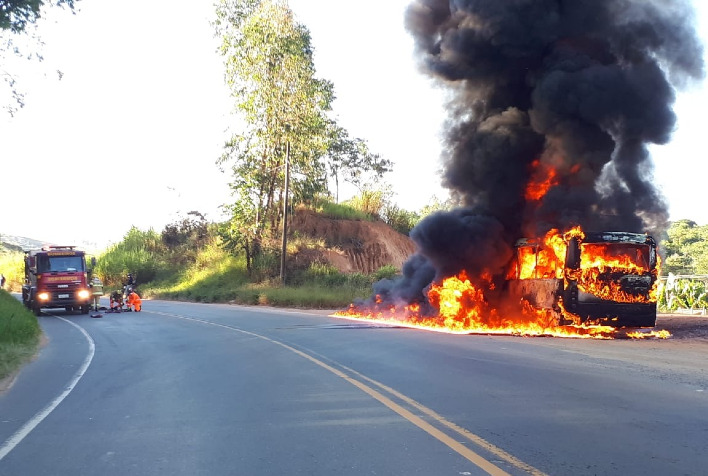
576	87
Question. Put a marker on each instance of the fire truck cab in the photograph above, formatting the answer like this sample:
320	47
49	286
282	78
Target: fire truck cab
605	278
56	277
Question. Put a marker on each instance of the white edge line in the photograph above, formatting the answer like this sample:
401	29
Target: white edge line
20	434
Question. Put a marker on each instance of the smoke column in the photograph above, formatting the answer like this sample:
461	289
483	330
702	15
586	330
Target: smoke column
560	97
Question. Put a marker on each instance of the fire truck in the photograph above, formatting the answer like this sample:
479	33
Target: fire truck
57	277
607	278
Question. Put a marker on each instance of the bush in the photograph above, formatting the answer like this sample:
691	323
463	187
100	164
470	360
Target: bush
324	275
139	254
342	211
311	296
371	202
399	219
683	294
386	272
12	266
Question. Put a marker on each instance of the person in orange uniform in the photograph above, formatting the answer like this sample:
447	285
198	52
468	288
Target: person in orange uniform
134	302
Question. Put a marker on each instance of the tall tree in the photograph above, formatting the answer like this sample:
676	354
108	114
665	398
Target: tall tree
15	18
270	69
15	15
351	160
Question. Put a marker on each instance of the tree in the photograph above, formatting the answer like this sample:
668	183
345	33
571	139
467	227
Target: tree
184	237
280	102
16	15
270	70
685	248
241	231
15	18
436	205
352	160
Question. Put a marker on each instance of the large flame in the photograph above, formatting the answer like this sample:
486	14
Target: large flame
543	178
461	304
601	264
463	309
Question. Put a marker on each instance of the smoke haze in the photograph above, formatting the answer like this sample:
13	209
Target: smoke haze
560	97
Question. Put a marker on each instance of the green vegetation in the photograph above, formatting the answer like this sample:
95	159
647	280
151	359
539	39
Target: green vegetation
16	18
685	266
342	211
18	14
217	276
188	260
19	334
139	253
288	148
685	248
12	267
685	294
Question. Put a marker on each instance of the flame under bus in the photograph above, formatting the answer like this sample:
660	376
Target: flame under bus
604	278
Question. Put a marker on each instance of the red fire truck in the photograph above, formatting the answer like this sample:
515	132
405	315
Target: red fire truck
56	277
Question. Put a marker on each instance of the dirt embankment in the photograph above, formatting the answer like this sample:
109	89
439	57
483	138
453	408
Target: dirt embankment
352	245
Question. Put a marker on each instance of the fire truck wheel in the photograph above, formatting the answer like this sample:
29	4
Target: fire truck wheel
85	309
37	310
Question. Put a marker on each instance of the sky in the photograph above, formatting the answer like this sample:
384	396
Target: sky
130	134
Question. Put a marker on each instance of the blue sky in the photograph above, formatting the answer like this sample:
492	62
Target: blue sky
130	134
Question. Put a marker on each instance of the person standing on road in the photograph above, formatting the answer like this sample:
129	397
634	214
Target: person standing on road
2	281
96	291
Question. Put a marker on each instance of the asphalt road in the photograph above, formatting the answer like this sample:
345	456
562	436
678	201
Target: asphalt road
190	389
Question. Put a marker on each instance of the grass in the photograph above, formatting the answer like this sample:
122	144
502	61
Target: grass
342	211
231	286
19	334
13	267
310	296
217	276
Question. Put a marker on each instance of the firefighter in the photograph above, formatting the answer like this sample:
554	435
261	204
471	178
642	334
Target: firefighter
129	285
96	291
116	301
134	302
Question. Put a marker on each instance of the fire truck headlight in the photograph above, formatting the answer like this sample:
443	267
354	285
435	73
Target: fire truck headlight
43	296
84	294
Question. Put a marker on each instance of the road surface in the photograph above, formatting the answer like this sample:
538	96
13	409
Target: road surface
199	389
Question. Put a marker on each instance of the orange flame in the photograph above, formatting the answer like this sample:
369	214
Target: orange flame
600	265
462	306
544	177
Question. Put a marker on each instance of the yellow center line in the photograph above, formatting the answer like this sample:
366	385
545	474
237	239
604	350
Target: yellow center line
478	440
456	446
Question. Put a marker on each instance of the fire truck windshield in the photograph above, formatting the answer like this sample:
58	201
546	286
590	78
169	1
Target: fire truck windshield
48	264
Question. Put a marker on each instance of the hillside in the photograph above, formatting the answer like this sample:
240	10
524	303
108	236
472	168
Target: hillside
18	243
351	245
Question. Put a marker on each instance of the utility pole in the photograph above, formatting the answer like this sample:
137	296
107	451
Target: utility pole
285	213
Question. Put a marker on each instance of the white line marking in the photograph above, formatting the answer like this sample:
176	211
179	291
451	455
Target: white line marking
20	434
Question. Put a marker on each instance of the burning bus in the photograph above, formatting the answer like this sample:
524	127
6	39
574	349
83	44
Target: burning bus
606	278
571	284
551	112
